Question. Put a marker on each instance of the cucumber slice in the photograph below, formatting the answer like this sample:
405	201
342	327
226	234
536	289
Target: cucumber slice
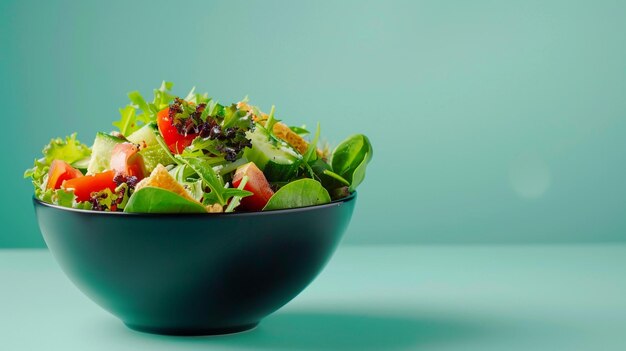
145	136
153	155
82	164
101	152
278	162
276	172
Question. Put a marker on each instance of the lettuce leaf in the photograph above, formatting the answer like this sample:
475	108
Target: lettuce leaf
69	150
65	198
128	121
140	112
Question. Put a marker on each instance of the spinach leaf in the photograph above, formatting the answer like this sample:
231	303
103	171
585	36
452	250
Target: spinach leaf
359	173
320	170
157	200
299	193
336	177
350	159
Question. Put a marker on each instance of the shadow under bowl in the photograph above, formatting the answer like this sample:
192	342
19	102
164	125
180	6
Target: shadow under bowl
193	274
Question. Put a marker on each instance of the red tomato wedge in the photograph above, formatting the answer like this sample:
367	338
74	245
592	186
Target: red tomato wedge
85	185
59	172
126	159
176	142
257	184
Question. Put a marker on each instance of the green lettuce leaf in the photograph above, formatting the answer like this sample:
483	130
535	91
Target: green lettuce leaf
128	121
68	149
107	200
140	112
65	198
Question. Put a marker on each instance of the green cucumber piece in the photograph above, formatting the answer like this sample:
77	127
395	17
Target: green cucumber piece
153	155
278	162
82	164
144	136
101	152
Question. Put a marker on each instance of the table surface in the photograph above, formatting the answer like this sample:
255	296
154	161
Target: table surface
367	298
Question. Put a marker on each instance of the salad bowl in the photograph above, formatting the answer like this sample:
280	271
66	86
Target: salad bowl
195	217
193	274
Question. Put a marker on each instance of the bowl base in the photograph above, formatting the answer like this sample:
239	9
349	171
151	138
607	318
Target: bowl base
191	331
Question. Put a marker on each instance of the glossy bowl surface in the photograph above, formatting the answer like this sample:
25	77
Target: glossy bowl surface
193	274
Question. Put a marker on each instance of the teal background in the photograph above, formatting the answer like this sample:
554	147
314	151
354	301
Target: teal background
492	121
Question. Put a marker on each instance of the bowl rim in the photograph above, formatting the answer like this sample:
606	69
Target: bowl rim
333	203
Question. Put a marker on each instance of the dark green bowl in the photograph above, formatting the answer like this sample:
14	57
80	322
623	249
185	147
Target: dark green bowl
193	274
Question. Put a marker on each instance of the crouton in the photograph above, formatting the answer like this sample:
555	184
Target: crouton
161	178
215	208
281	131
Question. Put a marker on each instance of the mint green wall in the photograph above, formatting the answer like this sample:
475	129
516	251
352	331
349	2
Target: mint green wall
492	120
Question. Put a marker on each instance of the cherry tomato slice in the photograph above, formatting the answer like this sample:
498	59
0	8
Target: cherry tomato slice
59	172
175	141
126	159
85	185
257	184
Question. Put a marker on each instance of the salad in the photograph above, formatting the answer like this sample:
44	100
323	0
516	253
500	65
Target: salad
195	155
